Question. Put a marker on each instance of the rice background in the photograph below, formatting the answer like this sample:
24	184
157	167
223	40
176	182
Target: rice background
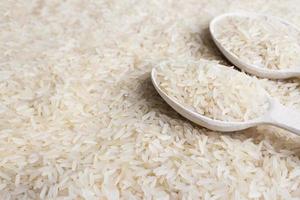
79	118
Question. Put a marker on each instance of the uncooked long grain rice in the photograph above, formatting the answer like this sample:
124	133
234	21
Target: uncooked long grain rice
213	90
80	119
261	41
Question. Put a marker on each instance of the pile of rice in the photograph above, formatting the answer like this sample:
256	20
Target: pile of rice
261	41
80	119
213	90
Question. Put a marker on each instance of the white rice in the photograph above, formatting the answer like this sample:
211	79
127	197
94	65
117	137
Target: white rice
213	90
261	41
80	119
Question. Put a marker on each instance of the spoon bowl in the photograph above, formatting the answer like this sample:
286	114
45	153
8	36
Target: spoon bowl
251	68
277	114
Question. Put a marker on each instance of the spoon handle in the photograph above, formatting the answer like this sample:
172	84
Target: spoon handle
286	118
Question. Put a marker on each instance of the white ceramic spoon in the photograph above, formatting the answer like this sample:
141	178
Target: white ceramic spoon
251	68
277	115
